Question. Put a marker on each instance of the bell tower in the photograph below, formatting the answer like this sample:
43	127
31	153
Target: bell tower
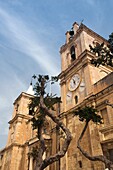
77	74
79	79
20	131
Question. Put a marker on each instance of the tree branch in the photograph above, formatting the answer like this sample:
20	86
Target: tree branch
101	158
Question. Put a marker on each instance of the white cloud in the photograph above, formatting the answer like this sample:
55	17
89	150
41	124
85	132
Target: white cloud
20	38
27	42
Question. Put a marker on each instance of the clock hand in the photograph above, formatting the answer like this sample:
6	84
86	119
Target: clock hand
74	82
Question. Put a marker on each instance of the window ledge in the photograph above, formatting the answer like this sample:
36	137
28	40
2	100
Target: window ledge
106	129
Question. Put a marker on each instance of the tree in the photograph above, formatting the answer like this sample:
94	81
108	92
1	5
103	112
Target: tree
103	53
41	107
86	115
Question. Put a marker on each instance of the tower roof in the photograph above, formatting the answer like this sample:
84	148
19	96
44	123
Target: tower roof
30	89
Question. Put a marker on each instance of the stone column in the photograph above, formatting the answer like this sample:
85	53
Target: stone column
31	163
66	161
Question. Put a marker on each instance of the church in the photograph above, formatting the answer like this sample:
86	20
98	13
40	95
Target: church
81	85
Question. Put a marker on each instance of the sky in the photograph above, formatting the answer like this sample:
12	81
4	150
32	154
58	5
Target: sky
31	34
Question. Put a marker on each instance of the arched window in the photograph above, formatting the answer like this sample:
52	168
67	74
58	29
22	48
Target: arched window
76	99
71	32
30	112
73	54
80	164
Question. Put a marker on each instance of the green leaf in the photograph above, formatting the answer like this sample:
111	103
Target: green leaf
46	77
88	114
34	76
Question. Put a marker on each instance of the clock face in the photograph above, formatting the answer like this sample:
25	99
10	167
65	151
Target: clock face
74	82
69	96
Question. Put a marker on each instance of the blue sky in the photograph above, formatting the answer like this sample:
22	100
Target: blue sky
31	33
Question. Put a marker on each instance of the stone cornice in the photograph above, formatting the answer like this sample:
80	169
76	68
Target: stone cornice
35	139
92	33
19	116
90	99
12	145
105	91
107	141
23	94
106	129
85	102
81	61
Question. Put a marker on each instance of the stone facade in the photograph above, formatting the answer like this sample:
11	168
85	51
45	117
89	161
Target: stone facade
81	84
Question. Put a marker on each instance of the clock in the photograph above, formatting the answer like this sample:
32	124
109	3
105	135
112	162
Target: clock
74	82
69	96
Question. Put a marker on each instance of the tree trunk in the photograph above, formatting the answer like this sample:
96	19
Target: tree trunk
66	143
40	163
41	148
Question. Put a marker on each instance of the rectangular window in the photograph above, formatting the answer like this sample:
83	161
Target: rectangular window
111	154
